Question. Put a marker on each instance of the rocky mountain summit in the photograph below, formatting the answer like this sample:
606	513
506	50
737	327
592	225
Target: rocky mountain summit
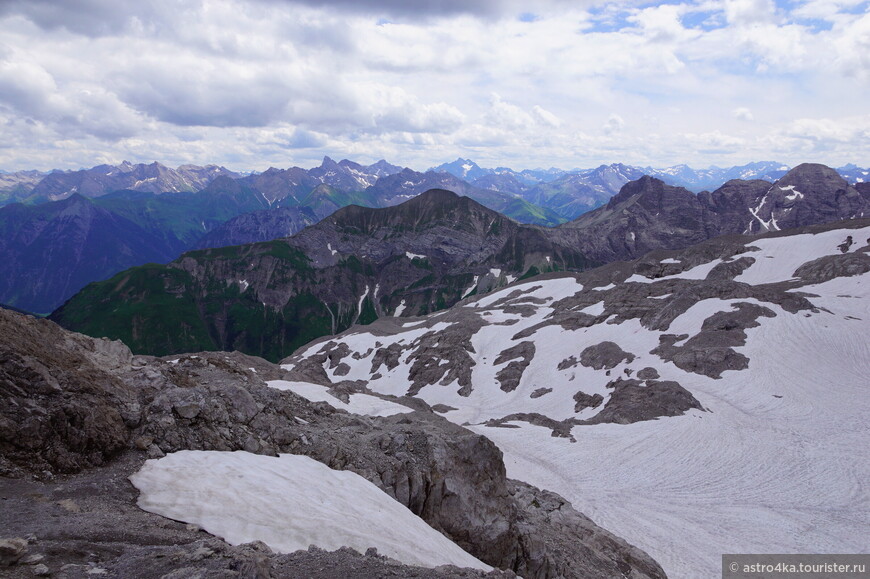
353	267
79	415
648	214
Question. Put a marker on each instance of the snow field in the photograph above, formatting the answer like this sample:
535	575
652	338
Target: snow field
289	502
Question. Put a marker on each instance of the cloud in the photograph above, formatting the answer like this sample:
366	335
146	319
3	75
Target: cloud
614	124
714	142
742	114
750	12
545	117
91	18
234	81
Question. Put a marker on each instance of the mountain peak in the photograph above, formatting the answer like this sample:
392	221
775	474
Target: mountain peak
327	162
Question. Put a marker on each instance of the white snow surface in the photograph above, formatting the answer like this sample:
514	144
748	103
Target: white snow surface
410	255
780	462
289	502
358	403
777	258
399	309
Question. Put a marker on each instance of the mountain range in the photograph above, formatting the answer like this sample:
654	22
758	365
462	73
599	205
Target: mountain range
178	209
688	370
418	257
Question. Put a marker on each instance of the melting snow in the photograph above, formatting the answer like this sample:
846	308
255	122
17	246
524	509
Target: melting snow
779	257
289	502
329	247
768	225
410	255
399	309
361	299
471	288
358	403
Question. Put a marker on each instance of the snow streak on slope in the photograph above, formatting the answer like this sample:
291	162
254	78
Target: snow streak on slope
358	403
768	453
289	502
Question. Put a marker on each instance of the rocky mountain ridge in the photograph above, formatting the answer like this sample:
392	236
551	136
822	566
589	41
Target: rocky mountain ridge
103	179
352	267
648	214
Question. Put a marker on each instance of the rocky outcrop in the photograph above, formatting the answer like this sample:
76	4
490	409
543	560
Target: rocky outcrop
63	405
605	355
89	403
634	401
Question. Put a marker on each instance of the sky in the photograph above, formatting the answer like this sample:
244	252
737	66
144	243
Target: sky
524	84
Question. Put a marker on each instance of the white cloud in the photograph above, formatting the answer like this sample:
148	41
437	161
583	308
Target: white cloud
545	117
614	124
742	114
750	12
282	82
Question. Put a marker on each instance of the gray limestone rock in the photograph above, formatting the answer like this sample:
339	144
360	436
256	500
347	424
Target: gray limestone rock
633	401
605	355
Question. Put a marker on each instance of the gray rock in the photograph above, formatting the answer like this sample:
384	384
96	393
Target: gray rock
11	550
452	478
605	355
632	401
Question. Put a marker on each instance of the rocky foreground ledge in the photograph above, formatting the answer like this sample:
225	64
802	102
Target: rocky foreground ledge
79	415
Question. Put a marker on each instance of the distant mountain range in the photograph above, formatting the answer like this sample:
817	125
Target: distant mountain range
422	256
190	207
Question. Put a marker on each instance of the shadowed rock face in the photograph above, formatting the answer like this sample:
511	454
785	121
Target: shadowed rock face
258	226
648	215
87	403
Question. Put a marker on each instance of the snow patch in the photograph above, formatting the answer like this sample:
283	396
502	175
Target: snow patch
399	309
471	288
410	255
289	502
358	403
361	299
